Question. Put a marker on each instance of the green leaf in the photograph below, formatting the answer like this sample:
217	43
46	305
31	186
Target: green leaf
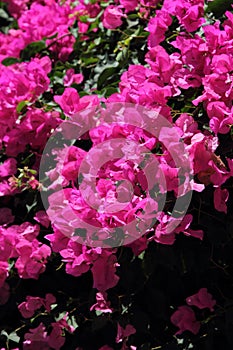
32	49
14	337
11	264
83	19
132	23
87	2
29	207
9	61
72	322
98	312
32	171
219	7
119	56
109	90
89	60
132	16
53	306
107	72
124	309
4	333
3	14
141	256
21	105
60	316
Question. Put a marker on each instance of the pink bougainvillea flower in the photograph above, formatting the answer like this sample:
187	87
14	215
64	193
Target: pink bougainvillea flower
33	183
184	227
4	293
58	240
8	239
123	333
48	301
26	231
202	300
230	165
6	216
139	245
36	339
221	117
4	267
63	46
129	5
17	7
56	337
42	218
32	258
72	163
74	256
184	318
187	124
71	78
8	167
102	304
157	27
219	173
220	199
113	17
37	126
68	101
165	234
28	307
104	272
197	66
190	16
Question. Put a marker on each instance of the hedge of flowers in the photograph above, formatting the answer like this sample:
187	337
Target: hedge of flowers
164	290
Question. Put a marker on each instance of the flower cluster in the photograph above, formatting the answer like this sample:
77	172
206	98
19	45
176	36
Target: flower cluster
20	242
184	317
60	59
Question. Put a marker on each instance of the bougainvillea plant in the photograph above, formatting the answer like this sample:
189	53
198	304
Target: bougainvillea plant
164	290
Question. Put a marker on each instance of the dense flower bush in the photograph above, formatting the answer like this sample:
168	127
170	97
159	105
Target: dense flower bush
163	290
